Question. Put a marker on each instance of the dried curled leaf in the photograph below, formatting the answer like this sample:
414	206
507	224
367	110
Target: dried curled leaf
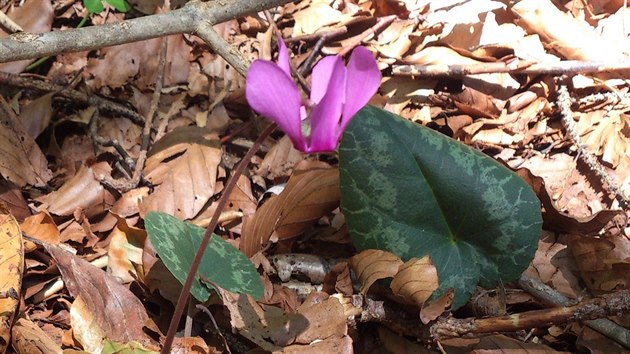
106	306
307	197
372	265
22	160
29	338
416	280
184	165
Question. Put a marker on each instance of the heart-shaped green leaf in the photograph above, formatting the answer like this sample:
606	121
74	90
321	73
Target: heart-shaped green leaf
176	242
412	191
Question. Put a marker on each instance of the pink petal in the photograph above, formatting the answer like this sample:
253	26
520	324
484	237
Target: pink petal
362	82
271	93
320	77
283	57
325	116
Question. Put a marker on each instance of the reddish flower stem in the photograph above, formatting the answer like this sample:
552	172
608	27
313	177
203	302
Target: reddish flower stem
183	296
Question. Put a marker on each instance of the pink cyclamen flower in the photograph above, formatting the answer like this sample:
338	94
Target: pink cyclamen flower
337	94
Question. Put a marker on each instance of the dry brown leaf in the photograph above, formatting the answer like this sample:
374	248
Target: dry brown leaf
372	265
402	91
279	295
395	343
603	268
241	203
138	61
415	281
279	161
569	36
27	337
22	161
125	251
433	309
11	268
554	265
337	345
123	130
78	230
36	114
495	136
591	341
126	206
606	133
33	16
319	318
558	221
85	328
316	16
105	303
42	227
184	164
308	196
476	104
250	319
83	191
394	40
339	280
193	345
159	278
12	197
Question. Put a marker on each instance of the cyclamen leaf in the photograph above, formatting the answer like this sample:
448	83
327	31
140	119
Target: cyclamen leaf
120	5
412	191
176	242
94	6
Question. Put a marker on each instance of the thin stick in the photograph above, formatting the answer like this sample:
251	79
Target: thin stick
564	103
379	26
521	67
613	304
185	293
24	45
552	297
124	185
7	23
206	32
73	95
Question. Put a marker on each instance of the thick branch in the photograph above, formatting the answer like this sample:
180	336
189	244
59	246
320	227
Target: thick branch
22	45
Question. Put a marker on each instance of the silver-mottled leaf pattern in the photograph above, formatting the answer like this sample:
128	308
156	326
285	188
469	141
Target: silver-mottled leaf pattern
176	242
412	191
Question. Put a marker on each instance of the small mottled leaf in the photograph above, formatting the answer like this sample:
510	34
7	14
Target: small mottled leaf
413	191
176	242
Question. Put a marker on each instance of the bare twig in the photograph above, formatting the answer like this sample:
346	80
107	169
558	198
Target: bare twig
613	304
23	45
206	32
319	35
517	67
124	185
564	103
327	36
72	95
126	162
7	23
551	297
379	26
